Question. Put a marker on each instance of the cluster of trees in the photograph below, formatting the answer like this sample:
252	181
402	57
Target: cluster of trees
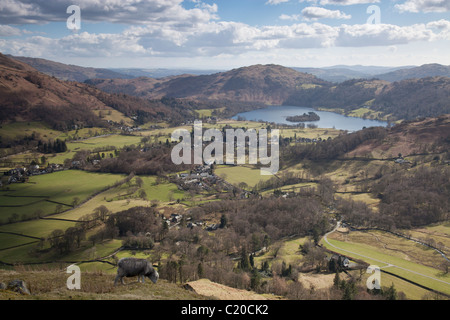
138	242
416	197
407	99
64	242
310	116
254	218
332	149
135	221
56	146
152	160
349	95
408	198
65	119
138	227
415	98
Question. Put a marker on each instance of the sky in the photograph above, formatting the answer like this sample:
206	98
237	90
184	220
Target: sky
226	34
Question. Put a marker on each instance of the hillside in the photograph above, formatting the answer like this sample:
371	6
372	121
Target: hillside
414	98
44	285
424	71
270	84
406	99
430	136
29	95
51	285
409	138
69	72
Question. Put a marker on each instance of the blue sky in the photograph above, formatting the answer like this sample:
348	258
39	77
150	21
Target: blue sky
224	34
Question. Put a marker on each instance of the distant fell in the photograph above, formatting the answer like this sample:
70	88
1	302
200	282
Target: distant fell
270	84
424	71
70	72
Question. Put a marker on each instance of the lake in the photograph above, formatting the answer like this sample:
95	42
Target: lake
328	119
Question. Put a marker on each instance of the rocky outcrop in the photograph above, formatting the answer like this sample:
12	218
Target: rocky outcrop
17	285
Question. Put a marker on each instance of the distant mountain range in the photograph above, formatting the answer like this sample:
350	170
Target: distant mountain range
161	72
427	70
338	73
70	72
344	73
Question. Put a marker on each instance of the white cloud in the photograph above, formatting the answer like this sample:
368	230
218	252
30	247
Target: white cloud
216	38
441	24
441	28
114	11
424	6
289	17
340	2
315	13
367	35
8	31
275	2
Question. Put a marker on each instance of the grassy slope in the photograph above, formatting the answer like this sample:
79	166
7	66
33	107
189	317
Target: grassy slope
45	285
401	253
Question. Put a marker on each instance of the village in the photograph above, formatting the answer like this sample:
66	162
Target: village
21	174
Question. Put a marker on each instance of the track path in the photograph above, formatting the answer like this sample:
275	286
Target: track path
387	264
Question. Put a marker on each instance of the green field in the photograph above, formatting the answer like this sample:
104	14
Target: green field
42	132
21	129
62	186
44	193
366	113
287	251
115	140
114	115
237	174
154	191
394	262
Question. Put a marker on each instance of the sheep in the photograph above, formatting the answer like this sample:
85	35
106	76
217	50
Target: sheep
130	267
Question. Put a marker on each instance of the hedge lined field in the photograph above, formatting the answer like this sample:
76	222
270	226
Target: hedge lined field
48	193
375	252
237	174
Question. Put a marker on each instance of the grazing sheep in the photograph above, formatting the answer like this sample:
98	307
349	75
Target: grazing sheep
131	267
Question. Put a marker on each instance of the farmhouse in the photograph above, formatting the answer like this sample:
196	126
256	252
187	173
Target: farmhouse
175	217
341	261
